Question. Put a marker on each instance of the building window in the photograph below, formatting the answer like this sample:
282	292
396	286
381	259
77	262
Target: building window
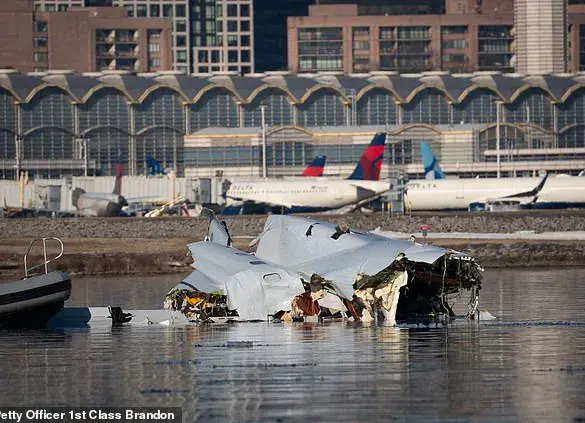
454	44
246	69
232	56
387	33
232	10
180	10
361	32
232	68
154	62
215	57
167	10
244	10
320	49
181	41
361	45
232	26
245	56
245	26
181	56
232	40
456	29
245	40
62	8
141	11
153	47
155	10
202	56
181	26
414	33
203	69
40	42
41	26
130	10
40	56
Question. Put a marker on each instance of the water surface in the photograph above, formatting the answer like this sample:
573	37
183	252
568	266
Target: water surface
527	365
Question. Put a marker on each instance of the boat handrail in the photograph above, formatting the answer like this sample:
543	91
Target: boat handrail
27	270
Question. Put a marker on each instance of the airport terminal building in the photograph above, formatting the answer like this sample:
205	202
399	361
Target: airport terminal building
58	123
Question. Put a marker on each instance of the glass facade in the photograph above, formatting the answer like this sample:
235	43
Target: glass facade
405	48
116	124
320	49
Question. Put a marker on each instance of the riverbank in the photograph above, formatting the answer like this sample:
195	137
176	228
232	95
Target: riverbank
155	246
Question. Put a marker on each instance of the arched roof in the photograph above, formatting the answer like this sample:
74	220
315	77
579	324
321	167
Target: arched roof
132	85
19	85
300	88
189	86
78	86
243	86
400	86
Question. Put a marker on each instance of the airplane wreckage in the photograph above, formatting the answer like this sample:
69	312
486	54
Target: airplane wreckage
305	269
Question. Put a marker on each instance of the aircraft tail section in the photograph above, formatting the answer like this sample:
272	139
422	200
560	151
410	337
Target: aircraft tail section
430	162
118	184
217	231
77	192
370	163
315	168
154	167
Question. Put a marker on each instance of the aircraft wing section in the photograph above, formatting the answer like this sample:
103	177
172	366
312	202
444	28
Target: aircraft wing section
273	202
532	193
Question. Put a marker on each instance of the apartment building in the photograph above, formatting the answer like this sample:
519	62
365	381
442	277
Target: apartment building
208	35
81	39
468	36
223	36
177	12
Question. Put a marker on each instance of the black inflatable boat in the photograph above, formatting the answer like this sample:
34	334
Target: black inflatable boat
31	302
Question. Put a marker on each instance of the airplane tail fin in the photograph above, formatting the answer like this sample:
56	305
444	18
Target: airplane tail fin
315	168
154	167
77	192
370	163
430	162
118	185
217	231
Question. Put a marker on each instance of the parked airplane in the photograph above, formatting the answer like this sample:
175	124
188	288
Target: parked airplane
309	195
100	204
430	162
561	191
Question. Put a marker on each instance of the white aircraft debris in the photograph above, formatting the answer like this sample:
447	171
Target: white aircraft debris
303	268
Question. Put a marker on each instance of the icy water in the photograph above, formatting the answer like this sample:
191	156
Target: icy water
528	365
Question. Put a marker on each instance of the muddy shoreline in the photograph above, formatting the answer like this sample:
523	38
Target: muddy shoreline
156	246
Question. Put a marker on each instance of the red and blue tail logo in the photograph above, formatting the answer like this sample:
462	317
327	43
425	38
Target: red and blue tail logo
370	164
316	167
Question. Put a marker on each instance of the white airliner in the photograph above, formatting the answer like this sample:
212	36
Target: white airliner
556	191
307	194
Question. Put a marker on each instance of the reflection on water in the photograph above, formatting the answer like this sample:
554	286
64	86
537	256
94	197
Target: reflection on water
527	365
